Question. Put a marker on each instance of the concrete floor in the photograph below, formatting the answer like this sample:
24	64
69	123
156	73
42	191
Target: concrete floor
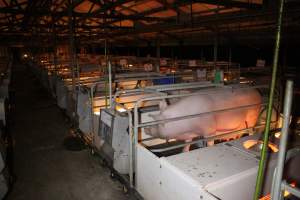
43	168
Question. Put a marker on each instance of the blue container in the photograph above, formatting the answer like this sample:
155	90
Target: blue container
164	81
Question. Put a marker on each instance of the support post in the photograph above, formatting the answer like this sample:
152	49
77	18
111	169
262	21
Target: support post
230	56
106	67
263	155
216	49
276	187
54	45
72	51
158	55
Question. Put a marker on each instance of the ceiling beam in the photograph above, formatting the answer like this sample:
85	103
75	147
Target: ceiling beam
46	12
204	21
172	36
228	3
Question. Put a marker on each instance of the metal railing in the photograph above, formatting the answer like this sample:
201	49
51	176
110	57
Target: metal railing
278	184
136	124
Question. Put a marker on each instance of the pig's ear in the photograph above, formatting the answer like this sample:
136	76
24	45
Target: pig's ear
163	105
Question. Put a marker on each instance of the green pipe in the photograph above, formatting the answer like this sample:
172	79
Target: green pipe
106	80
106	88
263	159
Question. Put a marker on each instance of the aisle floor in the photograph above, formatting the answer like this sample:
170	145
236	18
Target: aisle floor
44	169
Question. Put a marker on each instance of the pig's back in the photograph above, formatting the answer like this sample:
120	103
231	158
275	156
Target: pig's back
189	106
236	118
201	125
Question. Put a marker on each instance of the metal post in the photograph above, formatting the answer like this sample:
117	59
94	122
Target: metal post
110	83
216	49
276	187
216	39
135	137
72	53
105	51
54	45
106	66
158	55
71	44
263	159
230	56
92	110
54	53
77	72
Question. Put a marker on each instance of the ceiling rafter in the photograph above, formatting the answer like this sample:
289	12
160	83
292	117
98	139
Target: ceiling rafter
228	3
148	18
204	21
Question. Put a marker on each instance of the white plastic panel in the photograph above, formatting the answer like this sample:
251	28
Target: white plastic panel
157	179
219	172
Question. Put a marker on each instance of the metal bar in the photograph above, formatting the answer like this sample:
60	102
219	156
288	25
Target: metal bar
215	137
143	125
276	188
110	83
92	111
262	162
135	132
158	55
216	48
229	3
54	54
160	89
167	88
105	55
190	94
136	118
71	46
230	55
290	189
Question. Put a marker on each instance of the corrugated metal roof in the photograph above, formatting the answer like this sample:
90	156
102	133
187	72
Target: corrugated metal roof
130	18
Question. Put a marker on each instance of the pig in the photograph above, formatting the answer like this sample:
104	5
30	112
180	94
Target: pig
207	124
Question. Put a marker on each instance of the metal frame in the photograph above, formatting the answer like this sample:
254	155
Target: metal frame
280	185
137	125
103	20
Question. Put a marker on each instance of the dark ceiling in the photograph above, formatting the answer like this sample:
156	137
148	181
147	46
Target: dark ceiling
140	22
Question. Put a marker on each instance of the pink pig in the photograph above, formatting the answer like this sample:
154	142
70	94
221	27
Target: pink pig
208	124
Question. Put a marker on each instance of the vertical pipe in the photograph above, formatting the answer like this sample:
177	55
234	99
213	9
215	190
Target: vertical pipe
216	38
131	164
191	13
216	49
71	44
77	71
92	110
135	136
230	55
105	85
158	55
276	187
110	83
263	159
54	52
